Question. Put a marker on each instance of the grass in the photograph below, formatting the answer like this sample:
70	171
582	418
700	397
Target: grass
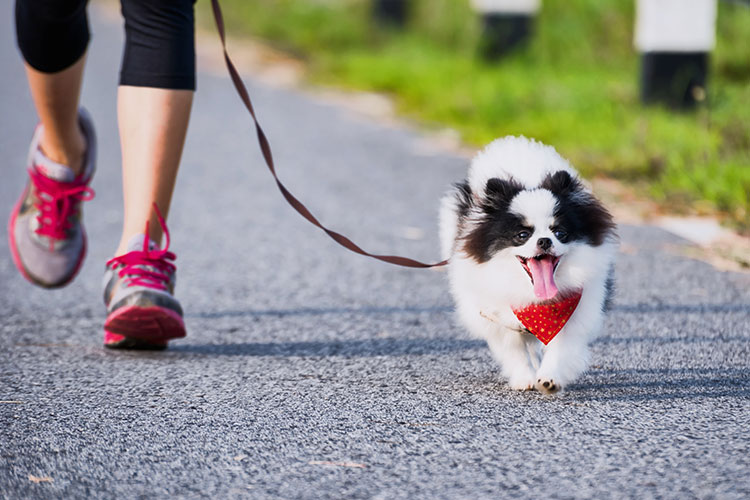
575	87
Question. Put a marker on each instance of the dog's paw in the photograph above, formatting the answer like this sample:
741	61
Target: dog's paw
547	386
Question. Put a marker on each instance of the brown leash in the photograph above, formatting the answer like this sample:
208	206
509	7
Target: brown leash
265	148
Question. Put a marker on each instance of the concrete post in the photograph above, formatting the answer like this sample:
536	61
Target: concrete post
675	38
506	24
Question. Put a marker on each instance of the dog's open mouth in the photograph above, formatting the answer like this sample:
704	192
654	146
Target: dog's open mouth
541	270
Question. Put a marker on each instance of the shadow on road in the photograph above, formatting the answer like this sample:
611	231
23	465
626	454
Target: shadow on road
663	384
597	385
695	339
681	308
322	311
345	348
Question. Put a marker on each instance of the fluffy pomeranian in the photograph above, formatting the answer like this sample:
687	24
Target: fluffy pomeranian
531	261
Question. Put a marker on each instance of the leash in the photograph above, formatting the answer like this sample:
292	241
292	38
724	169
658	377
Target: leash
265	148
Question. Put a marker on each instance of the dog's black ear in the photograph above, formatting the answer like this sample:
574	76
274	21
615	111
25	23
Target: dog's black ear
561	183
464	198
501	191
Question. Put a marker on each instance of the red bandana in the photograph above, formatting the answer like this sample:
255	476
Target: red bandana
546	320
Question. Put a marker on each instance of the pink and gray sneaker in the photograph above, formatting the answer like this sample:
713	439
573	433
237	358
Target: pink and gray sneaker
142	312
45	231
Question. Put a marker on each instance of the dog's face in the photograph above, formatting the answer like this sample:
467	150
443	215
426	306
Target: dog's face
538	229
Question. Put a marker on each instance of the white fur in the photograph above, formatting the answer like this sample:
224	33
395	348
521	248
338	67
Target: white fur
526	160
486	292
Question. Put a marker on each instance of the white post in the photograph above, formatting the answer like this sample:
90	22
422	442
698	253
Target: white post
675	38
506	24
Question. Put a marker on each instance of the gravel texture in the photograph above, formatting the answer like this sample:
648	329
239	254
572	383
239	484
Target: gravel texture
310	372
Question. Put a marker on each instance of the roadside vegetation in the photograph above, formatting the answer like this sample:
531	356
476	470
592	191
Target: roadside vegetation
575	87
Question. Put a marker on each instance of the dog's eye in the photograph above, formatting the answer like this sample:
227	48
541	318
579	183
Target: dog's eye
560	234
523	235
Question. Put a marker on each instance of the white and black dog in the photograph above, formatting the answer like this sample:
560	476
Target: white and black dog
531	261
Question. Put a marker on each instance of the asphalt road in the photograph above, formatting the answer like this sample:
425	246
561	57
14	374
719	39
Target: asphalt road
309	372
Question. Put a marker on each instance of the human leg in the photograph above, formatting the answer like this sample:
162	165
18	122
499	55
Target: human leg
157	81
53	36
153	123
56	97
47	239
154	101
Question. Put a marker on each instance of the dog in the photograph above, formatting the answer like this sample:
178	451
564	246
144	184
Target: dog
531	261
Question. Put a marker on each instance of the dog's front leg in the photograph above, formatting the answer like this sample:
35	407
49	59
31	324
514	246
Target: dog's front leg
509	349
564	359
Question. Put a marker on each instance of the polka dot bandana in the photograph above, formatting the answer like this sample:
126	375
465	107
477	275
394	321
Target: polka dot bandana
546	320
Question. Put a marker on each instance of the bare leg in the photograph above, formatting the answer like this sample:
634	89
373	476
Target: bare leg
56	97
153	124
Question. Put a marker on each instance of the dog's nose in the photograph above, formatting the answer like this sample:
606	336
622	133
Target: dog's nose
544	243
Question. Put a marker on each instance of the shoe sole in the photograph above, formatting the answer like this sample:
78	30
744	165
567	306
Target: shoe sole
117	341
142	326
17	256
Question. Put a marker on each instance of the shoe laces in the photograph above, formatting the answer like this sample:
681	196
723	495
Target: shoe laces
56	202
146	267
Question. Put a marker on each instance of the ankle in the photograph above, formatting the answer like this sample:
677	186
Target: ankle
127	239
69	151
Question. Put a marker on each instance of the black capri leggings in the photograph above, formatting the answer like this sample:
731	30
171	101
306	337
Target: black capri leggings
159	39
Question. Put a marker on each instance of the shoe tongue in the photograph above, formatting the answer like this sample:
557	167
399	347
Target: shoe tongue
51	169
136	243
542	271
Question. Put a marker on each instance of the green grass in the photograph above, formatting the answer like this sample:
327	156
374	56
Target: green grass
575	87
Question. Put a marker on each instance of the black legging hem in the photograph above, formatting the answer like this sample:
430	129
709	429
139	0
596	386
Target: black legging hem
172	82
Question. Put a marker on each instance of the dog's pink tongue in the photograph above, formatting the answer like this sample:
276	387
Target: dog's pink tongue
544	282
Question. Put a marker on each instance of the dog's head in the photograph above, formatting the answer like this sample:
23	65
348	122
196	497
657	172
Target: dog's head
540	227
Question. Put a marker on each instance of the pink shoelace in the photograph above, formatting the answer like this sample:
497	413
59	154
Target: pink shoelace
57	202
147	268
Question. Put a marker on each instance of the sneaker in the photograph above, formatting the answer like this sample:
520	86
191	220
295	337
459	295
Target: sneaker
45	231
142	312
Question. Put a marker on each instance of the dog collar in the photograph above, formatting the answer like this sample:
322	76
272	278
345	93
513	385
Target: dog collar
546	320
